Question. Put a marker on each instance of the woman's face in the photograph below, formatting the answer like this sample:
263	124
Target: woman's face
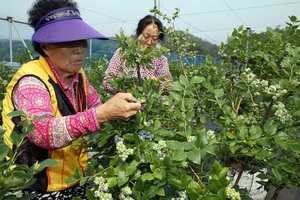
66	57
150	35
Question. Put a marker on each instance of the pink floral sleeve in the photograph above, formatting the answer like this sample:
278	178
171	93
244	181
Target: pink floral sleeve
53	132
160	70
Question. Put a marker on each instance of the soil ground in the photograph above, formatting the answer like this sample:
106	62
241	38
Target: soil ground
286	194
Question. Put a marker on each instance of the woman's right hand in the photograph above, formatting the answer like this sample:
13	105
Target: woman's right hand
122	106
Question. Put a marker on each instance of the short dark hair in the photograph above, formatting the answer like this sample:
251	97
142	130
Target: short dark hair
42	7
150	19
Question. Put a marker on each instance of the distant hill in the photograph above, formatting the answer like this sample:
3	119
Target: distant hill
99	48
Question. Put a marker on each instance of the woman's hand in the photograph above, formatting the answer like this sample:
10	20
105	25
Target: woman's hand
120	107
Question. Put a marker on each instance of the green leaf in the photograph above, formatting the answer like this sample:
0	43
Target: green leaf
265	142
211	149
70	180
15	138
295	147
122	178
155	160
230	135
46	163
179	155
270	128
110	172
112	182
222	194
130	170
129	137
173	144
233	146
161	192
176	86
77	173
150	192
17	114
194	156
176	184
4	149
182	133
297	101
190	102
276	173
183	80
147	177
29	183
214	186
219	93
166	133
255	132
197	79
216	168
264	154
104	138
158	174
289	169
152	168
89	195
176	96
193	190
83	181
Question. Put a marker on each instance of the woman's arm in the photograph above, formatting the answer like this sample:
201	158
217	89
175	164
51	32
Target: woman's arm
113	70
163	73
53	132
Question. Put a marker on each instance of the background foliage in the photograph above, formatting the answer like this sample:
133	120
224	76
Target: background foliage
241	112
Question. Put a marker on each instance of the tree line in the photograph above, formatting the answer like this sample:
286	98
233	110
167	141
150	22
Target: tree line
100	48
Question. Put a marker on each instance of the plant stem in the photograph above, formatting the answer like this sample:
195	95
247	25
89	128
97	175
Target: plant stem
196	175
241	171
139	76
182	64
267	113
238	106
277	191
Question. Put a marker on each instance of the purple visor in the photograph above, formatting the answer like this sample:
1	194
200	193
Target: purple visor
64	25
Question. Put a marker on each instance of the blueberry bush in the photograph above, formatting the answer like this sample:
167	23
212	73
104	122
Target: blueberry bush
241	112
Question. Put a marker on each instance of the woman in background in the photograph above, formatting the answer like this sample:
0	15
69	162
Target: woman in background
150	31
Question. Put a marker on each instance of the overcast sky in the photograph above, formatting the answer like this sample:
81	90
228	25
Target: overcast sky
211	20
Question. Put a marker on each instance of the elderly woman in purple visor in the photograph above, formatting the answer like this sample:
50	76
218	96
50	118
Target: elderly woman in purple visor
56	87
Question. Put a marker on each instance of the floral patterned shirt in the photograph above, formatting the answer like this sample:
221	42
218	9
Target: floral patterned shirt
53	132
160	68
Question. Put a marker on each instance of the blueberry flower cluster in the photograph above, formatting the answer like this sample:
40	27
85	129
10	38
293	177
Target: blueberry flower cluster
275	91
145	135
282	113
191	138
248	119
101	191
232	194
160	149
125	193
249	75
210	135
122	150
